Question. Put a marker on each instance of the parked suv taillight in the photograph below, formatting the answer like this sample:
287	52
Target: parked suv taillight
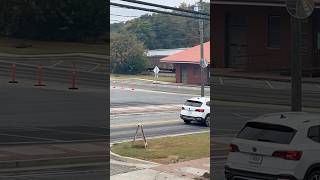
233	148
199	110
288	155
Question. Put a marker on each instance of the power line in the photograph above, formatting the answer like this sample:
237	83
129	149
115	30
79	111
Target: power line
166	7
157	11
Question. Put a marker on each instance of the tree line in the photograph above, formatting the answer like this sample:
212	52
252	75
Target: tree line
130	40
67	20
161	31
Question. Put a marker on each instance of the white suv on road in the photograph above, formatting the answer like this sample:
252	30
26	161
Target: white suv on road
279	146
196	109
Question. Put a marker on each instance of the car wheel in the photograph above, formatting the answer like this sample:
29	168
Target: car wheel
187	121
314	175
207	121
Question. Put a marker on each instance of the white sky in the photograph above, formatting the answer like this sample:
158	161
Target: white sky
114	11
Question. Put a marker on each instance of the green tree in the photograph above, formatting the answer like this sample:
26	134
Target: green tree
72	20
127	54
158	31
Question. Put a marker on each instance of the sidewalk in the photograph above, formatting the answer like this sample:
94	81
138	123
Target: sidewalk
38	156
189	170
151	83
236	73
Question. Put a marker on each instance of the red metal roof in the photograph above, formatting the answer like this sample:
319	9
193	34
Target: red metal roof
191	55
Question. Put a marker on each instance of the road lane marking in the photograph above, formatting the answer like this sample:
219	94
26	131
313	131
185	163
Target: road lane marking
144	109
30	137
55	64
94	68
241	116
175	121
30	171
269	84
142	113
159	92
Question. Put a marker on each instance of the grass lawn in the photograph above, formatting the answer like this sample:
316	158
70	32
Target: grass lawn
167	150
171	79
8	45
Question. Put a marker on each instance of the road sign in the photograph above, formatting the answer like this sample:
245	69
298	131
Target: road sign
156	70
203	63
300	9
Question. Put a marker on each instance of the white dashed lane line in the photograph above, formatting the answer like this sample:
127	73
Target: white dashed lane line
269	84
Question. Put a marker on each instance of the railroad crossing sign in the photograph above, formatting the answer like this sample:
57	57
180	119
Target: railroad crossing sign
156	71
203	63
300	9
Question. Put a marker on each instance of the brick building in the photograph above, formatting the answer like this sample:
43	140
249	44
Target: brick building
255	35
187	64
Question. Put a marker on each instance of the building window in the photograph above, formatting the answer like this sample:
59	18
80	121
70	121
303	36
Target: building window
274	31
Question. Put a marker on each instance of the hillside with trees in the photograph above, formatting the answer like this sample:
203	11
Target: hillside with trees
159	31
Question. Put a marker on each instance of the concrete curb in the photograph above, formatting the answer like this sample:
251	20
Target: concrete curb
6	166
130	160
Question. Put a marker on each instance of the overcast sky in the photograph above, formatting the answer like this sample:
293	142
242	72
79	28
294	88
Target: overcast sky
115	11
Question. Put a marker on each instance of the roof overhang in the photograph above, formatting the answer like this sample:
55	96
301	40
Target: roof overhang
182	62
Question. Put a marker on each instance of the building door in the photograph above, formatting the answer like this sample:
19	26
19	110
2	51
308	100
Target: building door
184	73
236	41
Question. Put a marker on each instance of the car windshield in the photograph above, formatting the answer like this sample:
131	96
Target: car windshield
193	103
267	132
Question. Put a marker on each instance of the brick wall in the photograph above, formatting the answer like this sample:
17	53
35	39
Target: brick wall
260	56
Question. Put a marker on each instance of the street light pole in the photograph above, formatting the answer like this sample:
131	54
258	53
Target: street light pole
201	49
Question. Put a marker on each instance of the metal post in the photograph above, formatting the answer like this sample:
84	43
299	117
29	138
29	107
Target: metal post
296	69
201	49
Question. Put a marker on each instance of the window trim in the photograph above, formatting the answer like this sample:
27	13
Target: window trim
268	30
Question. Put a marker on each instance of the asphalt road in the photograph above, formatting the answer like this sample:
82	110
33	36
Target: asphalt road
98	172
139	97
32	115
263	92
156	121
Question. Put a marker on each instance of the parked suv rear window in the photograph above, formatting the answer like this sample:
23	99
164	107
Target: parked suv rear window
267	132
193	103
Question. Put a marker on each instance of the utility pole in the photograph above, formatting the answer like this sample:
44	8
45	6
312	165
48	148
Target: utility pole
299	10
296	69
201	49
